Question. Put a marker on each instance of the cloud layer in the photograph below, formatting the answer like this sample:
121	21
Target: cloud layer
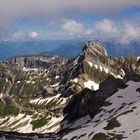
106	30
124	31
51	6
13	9
73	27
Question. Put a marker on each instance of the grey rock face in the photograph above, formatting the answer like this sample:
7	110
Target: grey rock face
89	102
32	136
41	62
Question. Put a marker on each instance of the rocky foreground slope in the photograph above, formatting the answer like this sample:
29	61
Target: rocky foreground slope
93	96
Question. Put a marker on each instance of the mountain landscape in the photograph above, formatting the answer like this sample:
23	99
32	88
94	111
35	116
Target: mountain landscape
65	48
92	96
69	70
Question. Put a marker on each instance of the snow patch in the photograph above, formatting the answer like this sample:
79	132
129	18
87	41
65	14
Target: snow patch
96	66
75	80
29	69
90	63
138	58
101	68
106	70
123	73
118	76
56	77
55	85
91	85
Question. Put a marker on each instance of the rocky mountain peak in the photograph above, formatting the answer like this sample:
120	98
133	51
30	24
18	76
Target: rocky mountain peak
94	48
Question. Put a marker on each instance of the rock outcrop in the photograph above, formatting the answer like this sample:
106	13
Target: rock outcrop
39	62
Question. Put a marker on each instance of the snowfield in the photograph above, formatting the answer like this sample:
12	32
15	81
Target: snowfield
22	122
119	118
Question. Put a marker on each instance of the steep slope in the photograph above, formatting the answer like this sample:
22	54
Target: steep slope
86	70
112	114
29	99
53	94
92	67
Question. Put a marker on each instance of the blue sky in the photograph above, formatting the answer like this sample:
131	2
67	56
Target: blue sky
64	19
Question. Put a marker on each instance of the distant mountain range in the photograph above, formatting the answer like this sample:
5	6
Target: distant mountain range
113	49
67	48
118	49
16	48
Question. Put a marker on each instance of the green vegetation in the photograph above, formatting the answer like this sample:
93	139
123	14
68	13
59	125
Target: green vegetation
39	123
103	59
74	138
19	125
77	87
126	112
4	121
131	60
116	136
15	89
31	55
110	136
23	89
100	136
18	74
112	124
28	89
138	90
2	82
52	104
8	109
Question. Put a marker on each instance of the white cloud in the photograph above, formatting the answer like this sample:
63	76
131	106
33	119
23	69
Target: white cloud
106	28
19	7
33	35
129	33
123	32
73	27
11	10
17	35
